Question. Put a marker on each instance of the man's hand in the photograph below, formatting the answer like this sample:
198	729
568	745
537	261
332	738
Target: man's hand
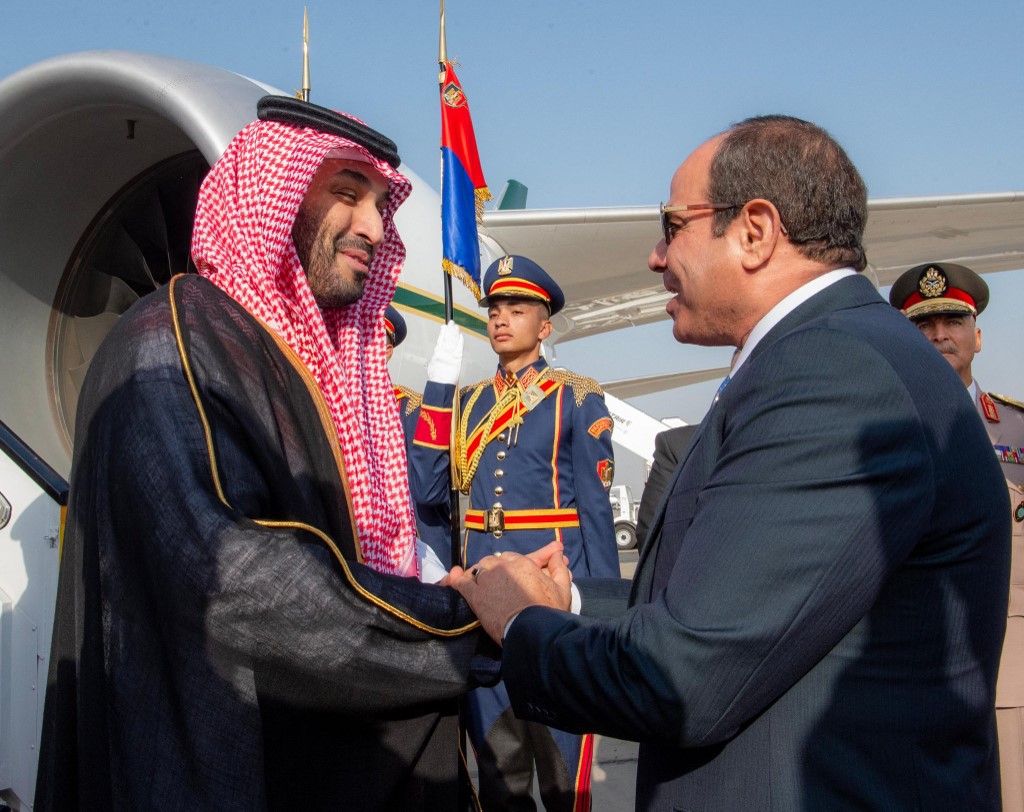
446	362
500	586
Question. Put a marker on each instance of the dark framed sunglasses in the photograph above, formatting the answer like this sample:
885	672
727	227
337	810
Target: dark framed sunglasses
669	229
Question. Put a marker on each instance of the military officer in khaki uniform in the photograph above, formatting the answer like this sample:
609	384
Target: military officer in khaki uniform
944	300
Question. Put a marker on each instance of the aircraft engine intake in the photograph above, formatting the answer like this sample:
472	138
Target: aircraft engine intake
101	165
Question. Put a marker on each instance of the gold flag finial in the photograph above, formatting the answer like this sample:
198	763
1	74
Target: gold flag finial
442	54
305	54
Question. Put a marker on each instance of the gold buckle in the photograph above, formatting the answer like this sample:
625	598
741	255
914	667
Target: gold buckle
494	521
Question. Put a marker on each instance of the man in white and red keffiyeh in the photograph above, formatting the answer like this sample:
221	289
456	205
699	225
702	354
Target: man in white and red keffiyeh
331	314
236	625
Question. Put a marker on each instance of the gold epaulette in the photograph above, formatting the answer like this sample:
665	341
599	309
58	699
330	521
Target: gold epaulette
465	390
581	385
1016	404
413	400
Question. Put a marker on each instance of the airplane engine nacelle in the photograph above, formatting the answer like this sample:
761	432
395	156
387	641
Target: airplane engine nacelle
101	155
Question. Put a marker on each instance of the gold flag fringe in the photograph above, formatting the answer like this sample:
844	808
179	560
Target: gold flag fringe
462	275
482	195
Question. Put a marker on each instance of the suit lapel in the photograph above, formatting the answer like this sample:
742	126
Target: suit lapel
852	291
643	577
849	292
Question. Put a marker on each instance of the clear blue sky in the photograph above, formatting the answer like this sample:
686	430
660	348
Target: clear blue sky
593	103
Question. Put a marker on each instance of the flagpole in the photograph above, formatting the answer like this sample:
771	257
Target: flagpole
449	315
305	55
465	790
442	60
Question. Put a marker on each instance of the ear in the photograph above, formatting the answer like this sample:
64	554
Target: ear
545	330
759	229
977	339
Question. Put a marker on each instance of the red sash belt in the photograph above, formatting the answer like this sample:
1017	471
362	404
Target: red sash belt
498	520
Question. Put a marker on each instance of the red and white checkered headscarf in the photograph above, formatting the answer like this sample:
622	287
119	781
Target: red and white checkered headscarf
242	242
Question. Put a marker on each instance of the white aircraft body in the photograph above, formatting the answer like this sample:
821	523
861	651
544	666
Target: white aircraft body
101	156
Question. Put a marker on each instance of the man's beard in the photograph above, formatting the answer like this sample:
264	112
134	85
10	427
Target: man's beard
318	253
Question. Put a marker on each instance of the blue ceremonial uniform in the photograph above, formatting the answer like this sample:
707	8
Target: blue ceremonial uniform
533	450
433	521
546	470
548	473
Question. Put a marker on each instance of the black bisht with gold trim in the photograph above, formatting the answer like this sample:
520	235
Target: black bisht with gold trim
217	645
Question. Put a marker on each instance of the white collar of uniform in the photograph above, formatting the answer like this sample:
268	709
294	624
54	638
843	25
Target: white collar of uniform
784	308
973	390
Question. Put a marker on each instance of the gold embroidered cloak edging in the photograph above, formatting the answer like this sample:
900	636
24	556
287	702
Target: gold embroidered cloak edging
216	644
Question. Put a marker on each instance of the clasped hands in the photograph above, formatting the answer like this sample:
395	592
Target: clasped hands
500	586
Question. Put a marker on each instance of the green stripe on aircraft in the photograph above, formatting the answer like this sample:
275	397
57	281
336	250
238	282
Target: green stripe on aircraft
434	308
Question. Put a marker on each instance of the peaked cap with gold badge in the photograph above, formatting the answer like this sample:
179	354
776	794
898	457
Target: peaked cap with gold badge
939	288
522	278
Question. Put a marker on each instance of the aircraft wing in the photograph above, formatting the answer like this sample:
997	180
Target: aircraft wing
634	387
599	255
983	231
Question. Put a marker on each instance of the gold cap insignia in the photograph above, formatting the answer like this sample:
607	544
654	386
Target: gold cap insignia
505	266
932	283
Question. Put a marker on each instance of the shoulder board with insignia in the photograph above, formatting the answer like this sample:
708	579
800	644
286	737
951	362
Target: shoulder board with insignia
413	400
581	385
1016	404
465	390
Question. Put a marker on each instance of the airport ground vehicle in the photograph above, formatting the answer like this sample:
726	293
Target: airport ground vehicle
624	510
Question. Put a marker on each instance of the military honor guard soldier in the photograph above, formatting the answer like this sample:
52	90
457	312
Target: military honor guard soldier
433	522
944	300
533	451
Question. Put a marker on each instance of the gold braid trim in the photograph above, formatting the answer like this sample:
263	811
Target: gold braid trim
481	196
321	405
462	275
360	589
465	390
1008	401
581	385
413	400
186	367
466	468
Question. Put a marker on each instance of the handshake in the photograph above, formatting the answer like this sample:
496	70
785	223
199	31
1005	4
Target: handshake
502	585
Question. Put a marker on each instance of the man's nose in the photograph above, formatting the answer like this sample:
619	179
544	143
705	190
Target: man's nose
368	223
656	261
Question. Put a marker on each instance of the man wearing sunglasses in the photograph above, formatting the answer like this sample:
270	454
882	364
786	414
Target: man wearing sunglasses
816	619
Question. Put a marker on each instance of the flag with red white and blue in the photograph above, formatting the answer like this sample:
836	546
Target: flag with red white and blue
463	188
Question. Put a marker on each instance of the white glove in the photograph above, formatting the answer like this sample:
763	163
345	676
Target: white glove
431	568
446	362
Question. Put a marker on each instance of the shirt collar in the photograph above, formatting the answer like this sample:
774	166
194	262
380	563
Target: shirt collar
784	308
526	376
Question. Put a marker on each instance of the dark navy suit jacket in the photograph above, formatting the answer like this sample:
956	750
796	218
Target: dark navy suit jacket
669	446
817	619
